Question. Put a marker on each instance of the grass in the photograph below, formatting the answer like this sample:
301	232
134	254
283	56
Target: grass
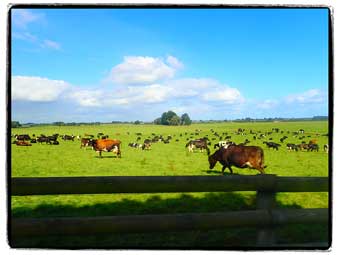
67	159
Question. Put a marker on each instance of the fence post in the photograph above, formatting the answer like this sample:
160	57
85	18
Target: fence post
265	200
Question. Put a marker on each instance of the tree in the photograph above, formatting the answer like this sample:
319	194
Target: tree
185	119
137	122
167	116
158	121
15	124
174	121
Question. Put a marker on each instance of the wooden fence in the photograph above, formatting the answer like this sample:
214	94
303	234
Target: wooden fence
266	217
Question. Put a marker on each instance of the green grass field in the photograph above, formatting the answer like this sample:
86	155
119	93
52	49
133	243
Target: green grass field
67	159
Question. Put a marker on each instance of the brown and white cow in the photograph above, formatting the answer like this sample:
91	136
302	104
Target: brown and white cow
107	145
239	156
86	142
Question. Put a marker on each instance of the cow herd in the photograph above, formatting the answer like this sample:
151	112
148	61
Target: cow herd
227	152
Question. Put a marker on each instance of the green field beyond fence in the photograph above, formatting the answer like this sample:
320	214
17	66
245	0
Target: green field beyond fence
68	160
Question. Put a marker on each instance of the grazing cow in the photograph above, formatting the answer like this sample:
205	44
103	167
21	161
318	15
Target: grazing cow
86	142
135	145
326	148
303	146
42	139
313	147
53	138
313	141
24	137
200	144
107	145
283	138
68	137
272	145
147	144
22	143
239	156
55	143
292	146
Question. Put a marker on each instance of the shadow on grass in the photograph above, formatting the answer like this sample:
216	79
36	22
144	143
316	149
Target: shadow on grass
184	203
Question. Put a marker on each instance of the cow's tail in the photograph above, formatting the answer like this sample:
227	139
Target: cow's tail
261	160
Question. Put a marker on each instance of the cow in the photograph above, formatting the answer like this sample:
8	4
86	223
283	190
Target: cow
272	145
147	144
292	146
68	137
23	137
108	145
86	142
200	144
326	148
283	138
312	147
42	139
22	143
239	156
313	141
303	146
220	144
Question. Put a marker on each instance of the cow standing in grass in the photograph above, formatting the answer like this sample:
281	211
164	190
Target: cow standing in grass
239	156
107	145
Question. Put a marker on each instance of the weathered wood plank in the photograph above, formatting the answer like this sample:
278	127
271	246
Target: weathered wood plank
265	200
27	227
21	186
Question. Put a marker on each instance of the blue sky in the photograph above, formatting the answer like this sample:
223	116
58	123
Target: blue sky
128	64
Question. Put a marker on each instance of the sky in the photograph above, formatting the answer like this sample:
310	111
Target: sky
87	65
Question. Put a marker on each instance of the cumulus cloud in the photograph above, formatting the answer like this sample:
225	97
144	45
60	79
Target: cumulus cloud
37	89
181	91
309	96
140	70
225	95
174	62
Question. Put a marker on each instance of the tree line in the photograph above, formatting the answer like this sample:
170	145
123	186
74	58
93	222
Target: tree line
170	118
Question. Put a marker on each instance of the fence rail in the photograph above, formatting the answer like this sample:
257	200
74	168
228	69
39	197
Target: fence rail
22	186
266	217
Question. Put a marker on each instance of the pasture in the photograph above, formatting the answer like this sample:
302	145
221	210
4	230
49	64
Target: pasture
68	159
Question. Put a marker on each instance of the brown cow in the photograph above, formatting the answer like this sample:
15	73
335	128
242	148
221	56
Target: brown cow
239	156
22	143
107	145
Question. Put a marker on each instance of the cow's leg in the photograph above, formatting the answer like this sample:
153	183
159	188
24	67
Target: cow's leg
223	168
261	170
229	167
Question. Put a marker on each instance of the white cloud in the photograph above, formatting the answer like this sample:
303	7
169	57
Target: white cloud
50	44
225	95
26	36
174	62
37	89
309	96
22	17
139	70
87	98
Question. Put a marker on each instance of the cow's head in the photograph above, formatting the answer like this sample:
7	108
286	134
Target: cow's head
212	161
